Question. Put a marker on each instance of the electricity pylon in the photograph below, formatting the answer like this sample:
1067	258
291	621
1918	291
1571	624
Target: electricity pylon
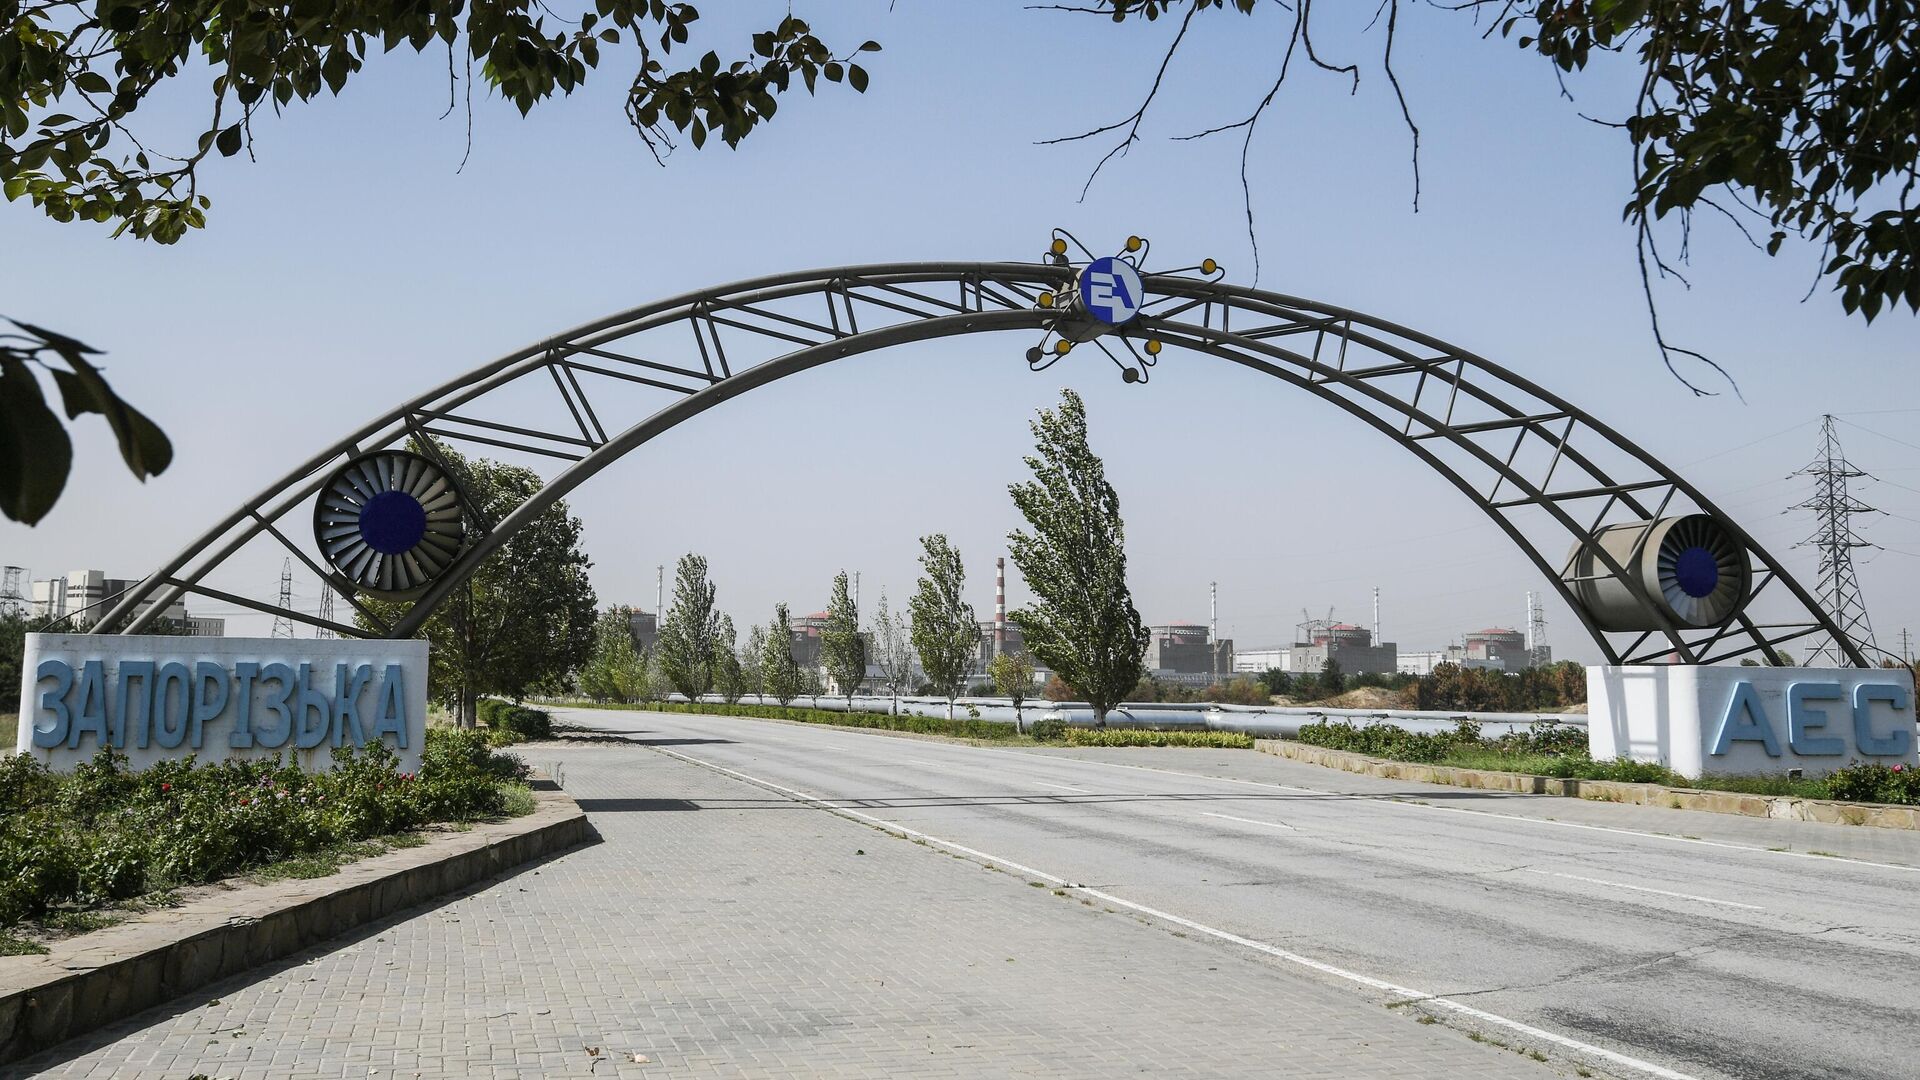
1834	536
283	624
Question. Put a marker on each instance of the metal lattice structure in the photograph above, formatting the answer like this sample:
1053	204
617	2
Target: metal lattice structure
1547	474
1834	536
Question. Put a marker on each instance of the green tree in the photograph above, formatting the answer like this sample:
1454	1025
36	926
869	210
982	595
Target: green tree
944	631
1277	682
841	647
778	673
527	613
729	676
14	628
1082	624
1332	681
688	645
1012	675
892	651
753	662
616	671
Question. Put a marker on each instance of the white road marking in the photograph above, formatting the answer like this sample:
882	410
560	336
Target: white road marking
1067	787
1250	821
1409	994
1640	888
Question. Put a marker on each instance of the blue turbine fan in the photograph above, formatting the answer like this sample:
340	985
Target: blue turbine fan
389	521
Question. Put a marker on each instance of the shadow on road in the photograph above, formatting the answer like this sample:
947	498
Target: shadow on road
634	806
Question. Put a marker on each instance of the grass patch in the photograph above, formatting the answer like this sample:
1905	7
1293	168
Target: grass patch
19	946
320	863
516	800
80	922
1215	740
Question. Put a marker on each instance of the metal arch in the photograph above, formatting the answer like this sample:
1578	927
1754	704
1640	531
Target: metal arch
751	333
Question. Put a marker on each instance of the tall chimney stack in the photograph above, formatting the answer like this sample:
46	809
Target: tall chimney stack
999	604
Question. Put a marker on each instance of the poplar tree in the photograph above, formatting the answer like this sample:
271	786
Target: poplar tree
944	631
778	673
892	650
753	657
842	648
1082	624
689	633
729	678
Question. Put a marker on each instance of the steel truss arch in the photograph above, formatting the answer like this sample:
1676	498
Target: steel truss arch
1548	474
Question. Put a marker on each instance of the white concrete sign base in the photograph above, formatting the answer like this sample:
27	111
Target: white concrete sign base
1751	720
162	698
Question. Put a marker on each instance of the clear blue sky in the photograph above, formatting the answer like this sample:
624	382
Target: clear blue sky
352	265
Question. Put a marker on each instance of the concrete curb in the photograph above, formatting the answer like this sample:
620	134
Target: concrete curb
1779	807
108	975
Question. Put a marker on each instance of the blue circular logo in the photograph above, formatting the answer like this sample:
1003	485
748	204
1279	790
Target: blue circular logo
392	522
1111	291
1697	571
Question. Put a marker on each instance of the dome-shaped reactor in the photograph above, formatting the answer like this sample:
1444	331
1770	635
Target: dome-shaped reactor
389	522
1692	568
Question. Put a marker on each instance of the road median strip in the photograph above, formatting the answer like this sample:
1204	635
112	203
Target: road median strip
1777	807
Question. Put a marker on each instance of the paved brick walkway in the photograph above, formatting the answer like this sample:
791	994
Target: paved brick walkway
721	930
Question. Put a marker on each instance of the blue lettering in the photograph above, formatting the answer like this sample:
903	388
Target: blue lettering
1745	721
210	692
1898	742
346	703
54	701
312	702
170	721
280	705
241	737
121	719
392	717
1804	720
91	709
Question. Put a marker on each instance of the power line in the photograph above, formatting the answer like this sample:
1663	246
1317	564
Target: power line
1833	535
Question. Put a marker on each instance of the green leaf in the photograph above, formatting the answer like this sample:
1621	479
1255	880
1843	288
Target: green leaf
229	141
35	453
857	77
143	446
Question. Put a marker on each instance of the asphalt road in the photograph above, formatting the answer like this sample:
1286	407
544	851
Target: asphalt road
1657	942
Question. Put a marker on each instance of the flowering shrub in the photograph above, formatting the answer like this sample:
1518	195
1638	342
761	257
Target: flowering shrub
1874	782
104	832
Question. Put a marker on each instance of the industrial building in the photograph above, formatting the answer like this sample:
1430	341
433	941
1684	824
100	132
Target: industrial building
645	628
1186	653
1423	662
1509	647
84	595
1352	647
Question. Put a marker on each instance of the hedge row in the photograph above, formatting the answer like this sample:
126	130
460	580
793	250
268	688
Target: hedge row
925	725
1561	751
1217	740
508	723
105	832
